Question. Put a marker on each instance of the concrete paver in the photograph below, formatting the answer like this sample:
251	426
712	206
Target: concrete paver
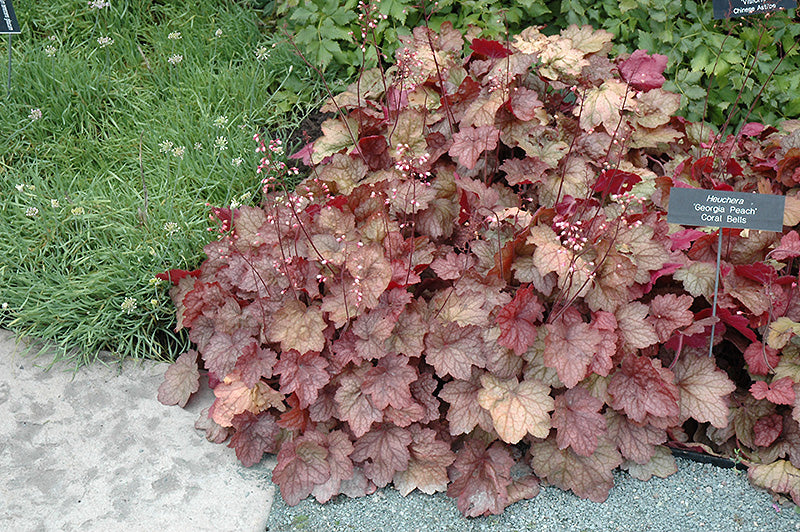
94	450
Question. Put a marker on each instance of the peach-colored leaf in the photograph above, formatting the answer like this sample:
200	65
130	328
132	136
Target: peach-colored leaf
181	380
704	389
517	408
298	327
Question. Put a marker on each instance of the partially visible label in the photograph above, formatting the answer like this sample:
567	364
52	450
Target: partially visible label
716	208
743	8
8	20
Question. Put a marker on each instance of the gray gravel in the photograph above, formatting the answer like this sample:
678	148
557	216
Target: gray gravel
698	497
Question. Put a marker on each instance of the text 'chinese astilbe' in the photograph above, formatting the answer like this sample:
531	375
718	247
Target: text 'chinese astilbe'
478	274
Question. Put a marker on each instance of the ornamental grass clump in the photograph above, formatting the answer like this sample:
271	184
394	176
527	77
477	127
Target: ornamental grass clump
476	289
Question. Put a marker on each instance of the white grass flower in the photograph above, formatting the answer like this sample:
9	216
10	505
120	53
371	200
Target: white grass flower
221	121
31	212
99	4
35	114
237	161
4	306
77	211
174	59
129	305
174	36
50	51
235	204
221	143
171	228
54	203
178	151
218	33
165	146
262	53
198	146
105	41
20	187
154	303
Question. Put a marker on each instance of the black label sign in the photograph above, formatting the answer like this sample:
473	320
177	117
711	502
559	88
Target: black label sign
715	208
742	8
8	20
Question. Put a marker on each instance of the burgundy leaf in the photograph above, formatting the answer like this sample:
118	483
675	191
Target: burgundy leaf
517	321
488	48
302	374
482	478
384	452
642	71
578	421
254	436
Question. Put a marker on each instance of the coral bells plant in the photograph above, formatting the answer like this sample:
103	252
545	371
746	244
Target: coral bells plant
476	288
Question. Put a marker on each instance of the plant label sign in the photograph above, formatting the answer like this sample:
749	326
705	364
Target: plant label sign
8	20
716	208
743	8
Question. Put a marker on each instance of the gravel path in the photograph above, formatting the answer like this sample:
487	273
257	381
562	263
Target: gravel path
699	497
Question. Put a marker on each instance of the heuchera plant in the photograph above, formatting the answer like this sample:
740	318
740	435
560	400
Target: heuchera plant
477	290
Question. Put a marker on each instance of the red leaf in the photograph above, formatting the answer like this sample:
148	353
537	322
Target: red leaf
570	345
669	312
482	478
780	392
297	418
428	461
384	451
642	71
590	477
614	181
176	275
682	240
517	321
254	436
635	441
578	421
341	467
789	247
302	374
373	329
767	429
488	48
223	350
256	363
423	392
524	103
641	387
752	129
181	380
201	298
453	350
469	143
757	271
761	359
388	382
375	152
701	167
524	171
302	464
354	405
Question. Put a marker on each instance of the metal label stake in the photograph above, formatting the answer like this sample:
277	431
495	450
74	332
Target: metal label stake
8	26
716	291
717	208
